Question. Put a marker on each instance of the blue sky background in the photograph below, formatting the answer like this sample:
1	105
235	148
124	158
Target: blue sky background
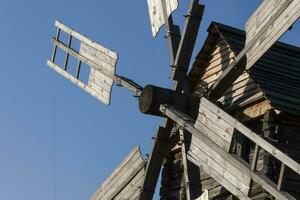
56	141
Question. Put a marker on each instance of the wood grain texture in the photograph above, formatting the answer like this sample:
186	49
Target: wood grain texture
125	180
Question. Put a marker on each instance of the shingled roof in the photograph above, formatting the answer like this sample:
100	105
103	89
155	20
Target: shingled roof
275	77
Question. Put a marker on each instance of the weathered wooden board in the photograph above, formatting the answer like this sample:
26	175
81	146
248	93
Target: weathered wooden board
102	96
86	40
272	19
156	13
223	166
125	180
216	128
219	168
253	136
204	196
101	61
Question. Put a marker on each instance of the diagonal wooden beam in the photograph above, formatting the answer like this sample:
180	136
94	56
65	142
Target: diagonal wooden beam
188	124
269	22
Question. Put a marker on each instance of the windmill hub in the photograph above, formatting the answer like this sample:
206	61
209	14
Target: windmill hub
152	97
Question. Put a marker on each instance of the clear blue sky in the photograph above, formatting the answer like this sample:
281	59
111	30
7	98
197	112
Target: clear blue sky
56	141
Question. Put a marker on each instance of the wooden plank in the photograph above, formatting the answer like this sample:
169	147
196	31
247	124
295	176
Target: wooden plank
132	158
280	20
188	124
133	188
156	14
104	97
98	57
121	81
86	40
185	164
222	165
218	178
122	176
158	153
253	136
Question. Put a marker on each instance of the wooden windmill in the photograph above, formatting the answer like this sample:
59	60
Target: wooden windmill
201	147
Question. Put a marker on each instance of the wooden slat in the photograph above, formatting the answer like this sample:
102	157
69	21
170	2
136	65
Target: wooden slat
104	97
156	14
262	180
218	172
122	177
282	15
269	29
253	136
121	81
86	40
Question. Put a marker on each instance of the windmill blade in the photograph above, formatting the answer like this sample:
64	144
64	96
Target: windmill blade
101	61
159	152
187	44
156	12
268	23
126	179
212	153
180	55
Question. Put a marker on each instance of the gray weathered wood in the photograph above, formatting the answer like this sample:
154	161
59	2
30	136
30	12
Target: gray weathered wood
281	15
123	177
86	40
103	96
253	136
156	13
159	152
262	180
107	76
186	45
182	133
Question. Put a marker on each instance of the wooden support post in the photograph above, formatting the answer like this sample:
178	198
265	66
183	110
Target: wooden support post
185	164
253	165
159	152
281	176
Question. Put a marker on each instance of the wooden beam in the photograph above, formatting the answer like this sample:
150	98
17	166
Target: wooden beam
120	81
281	16
188	124
187	44
154	163
183	133
253	136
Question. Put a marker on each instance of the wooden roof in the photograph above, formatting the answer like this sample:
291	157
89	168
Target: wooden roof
275	77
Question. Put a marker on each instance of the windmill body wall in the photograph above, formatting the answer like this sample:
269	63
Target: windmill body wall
243	91
254	99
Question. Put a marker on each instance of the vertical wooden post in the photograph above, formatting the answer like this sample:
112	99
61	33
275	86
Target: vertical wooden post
185	164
